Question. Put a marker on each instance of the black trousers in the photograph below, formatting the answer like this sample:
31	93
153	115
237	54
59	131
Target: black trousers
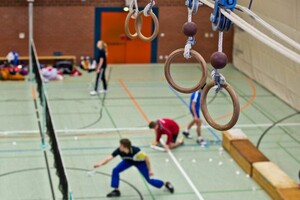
101	75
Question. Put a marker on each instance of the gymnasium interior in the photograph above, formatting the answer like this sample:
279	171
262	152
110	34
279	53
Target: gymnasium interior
58	119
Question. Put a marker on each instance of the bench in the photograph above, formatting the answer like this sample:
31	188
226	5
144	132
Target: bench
232	135
289	193
274	181
267	174
46	59
245	154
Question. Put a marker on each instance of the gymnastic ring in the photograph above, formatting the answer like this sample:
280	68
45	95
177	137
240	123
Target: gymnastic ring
168	76
236	107
138	26
127	31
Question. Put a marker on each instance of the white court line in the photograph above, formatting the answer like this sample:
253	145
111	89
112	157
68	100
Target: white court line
265	125
183	173
106	130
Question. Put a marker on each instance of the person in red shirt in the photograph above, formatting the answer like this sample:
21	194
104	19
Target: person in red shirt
168	127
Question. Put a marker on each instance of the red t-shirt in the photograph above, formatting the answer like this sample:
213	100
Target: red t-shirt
168	127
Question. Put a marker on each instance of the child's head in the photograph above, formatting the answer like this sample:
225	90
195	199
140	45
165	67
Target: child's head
102	45
125	145
152	125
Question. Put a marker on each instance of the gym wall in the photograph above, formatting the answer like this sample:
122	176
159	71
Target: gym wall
67	26
274	71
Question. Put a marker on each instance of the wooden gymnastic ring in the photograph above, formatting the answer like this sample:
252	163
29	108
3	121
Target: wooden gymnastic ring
127	31
236	107
168	76
138	26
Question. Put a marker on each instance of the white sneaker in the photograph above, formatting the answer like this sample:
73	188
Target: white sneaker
93	93
103	91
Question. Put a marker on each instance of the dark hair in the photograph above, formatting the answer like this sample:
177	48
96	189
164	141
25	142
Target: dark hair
152	124
203	86
126	143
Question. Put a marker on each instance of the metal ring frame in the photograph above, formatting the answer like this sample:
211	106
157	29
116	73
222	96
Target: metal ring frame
236	107
169	78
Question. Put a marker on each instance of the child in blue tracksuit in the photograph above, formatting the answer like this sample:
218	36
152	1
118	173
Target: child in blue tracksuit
131	156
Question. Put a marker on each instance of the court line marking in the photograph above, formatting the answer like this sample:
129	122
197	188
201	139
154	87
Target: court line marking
211	130
247	104
187	178
133	100
106	130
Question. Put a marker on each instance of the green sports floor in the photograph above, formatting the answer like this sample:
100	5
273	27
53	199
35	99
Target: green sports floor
89	129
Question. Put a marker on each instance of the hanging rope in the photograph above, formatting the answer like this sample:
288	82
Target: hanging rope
250	4
148	8
220	43
215	74
257	34
190	11
269	27
136	8
191	40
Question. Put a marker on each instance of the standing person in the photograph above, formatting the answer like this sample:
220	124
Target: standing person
131	156
101	67
195	111
168	127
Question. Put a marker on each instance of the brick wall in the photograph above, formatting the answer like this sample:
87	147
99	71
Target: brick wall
171	21
68	26
66	29
110	3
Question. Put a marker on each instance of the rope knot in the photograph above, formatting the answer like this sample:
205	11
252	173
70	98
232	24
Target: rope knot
134	6
188	46
149	7
219	79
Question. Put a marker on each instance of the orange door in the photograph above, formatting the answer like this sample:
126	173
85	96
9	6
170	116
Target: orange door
120	48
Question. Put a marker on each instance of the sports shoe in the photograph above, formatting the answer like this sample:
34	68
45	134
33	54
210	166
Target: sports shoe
200	141
187	135
103	91
159	145
114	193
169	187
93	93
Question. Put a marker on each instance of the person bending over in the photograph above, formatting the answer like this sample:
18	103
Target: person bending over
168	127
131	156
